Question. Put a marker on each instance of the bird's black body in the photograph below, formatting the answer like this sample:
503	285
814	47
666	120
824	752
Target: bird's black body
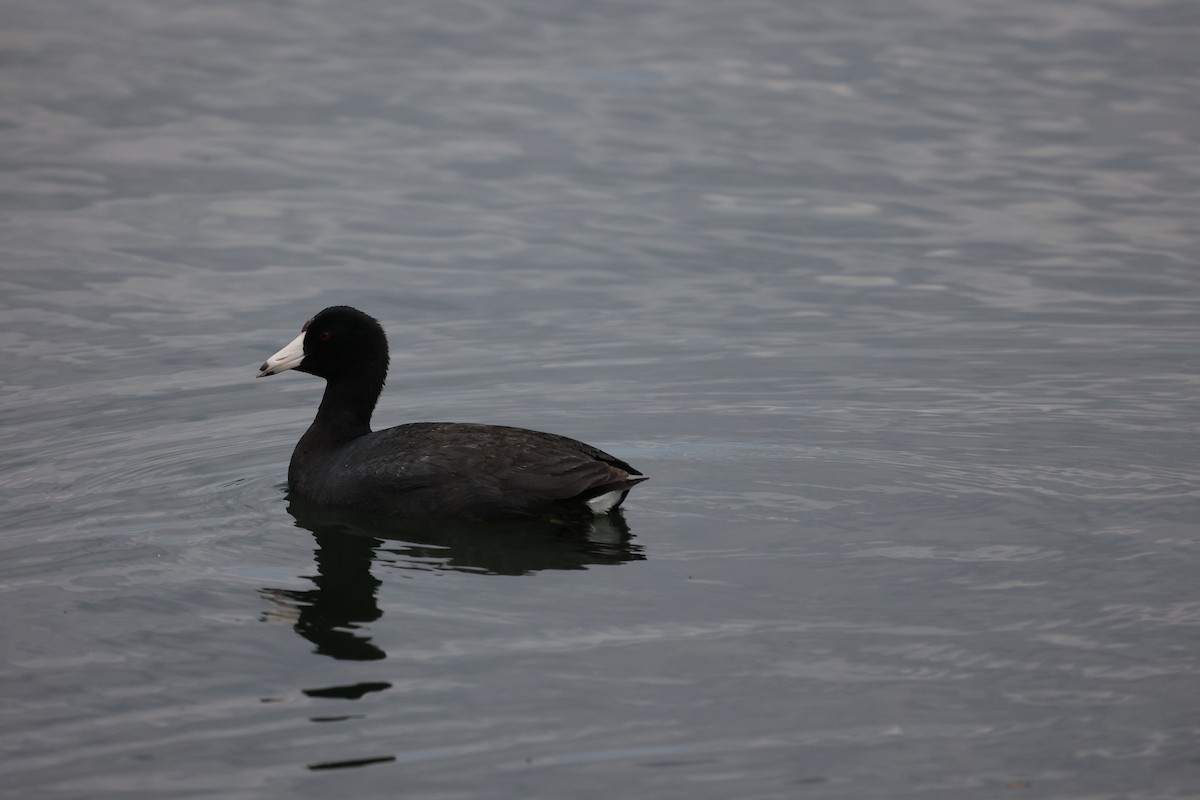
429	469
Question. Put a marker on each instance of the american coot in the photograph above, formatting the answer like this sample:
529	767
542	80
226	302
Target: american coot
429	469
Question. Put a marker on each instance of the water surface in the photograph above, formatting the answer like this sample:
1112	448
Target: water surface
897	303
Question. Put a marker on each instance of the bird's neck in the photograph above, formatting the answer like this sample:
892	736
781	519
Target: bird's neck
345	413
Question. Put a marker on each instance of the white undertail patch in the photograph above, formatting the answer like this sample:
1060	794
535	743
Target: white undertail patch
603	503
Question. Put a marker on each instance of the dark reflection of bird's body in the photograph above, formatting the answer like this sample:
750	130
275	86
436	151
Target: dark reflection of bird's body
331	614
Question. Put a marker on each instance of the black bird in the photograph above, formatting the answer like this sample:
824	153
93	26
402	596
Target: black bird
436	470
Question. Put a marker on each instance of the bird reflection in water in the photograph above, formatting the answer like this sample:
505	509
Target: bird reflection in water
343	599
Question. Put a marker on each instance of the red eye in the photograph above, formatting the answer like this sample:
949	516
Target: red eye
325	336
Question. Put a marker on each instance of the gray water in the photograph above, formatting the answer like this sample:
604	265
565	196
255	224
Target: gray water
897	302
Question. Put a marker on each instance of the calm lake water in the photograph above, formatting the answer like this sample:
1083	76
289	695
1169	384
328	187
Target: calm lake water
897	302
